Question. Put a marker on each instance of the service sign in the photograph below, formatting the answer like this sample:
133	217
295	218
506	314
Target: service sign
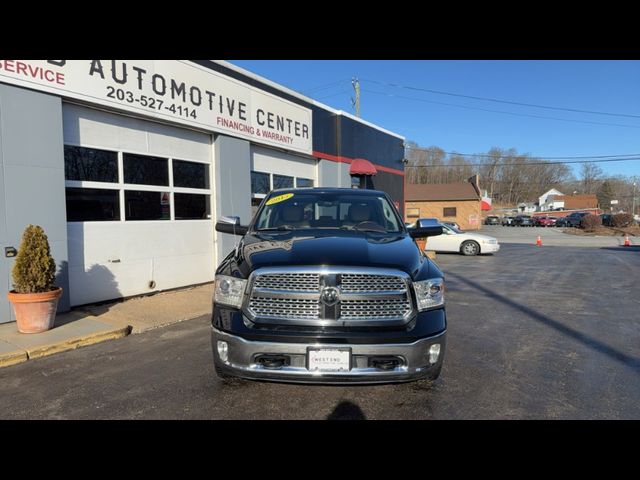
174	90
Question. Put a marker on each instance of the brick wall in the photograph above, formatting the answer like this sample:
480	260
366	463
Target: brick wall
466	212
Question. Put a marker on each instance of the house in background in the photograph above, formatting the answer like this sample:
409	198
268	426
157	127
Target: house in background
450	202
551	200
526	208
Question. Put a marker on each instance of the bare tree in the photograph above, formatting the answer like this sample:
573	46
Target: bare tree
591	177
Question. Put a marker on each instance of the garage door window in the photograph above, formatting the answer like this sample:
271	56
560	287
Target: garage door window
92	204
90	164
190	174
282	181
121	186
145	170
304	182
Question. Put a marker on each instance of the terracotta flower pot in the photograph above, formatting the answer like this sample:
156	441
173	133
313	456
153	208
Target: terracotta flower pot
35	312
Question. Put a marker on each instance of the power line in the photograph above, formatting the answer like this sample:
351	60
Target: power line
523	164
533	156
488	99
307	91
334	94
502	111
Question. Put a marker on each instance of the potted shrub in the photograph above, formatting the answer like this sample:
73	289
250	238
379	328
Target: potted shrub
34	297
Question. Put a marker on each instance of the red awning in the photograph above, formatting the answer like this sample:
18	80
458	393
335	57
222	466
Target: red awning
360	166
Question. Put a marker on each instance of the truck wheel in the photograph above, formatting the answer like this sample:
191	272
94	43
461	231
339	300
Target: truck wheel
470	248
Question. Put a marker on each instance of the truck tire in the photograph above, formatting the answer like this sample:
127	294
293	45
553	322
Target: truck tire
470	248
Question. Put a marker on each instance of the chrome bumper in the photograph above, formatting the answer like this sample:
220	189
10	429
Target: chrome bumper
242	354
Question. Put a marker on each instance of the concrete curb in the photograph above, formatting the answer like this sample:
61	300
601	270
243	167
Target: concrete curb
77	342
11	356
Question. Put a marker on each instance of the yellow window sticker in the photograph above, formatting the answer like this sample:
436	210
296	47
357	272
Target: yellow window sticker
279	198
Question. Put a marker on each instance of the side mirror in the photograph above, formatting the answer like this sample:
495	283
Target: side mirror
231	225
425	227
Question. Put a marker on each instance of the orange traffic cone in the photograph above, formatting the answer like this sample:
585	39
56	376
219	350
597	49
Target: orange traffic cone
627	243
539	241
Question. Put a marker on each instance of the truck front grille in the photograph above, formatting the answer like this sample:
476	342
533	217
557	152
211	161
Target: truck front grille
295	297
362	309
298	308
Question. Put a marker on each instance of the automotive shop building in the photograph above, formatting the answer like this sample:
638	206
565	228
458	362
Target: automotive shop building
127	165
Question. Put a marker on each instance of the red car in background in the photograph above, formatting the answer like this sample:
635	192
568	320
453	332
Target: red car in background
546	221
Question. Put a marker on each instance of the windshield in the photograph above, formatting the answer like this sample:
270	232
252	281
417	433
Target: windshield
451	228
309	210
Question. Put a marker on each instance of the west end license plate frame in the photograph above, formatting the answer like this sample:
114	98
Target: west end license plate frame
329	350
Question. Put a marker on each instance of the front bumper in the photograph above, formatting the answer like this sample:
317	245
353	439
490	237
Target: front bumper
489	248
241	361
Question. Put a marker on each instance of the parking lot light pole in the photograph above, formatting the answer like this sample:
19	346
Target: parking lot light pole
633	201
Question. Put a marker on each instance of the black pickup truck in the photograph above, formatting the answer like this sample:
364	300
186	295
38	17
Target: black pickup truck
327	285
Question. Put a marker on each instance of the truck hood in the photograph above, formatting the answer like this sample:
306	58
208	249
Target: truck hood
335	248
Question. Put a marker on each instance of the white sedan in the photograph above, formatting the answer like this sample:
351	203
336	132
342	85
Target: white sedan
466	243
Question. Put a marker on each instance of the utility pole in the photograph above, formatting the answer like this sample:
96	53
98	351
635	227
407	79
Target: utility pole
356	87
633	202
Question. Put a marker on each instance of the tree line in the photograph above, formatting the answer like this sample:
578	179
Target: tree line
511	177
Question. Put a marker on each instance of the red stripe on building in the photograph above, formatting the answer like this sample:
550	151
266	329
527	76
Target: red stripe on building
336	158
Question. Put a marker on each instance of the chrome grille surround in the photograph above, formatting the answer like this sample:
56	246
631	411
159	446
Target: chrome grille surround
291	295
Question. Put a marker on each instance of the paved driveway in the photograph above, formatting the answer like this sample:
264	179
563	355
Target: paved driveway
550	236
534	333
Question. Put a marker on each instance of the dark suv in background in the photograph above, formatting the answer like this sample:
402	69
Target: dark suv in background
574	219
492	220
523	221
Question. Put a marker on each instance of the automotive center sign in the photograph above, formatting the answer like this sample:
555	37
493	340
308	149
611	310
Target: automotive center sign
174	90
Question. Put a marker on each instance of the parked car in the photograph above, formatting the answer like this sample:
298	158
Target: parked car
492	220
452	224
574	219
607	219
546	221
466	243
507	221
523	221
327	285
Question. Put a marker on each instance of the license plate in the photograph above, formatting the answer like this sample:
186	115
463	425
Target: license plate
329	360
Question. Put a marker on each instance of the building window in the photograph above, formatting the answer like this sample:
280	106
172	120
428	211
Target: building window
260	183
282	181
145	170
190	174
92	205
449	211
190	206
413	212
144	205
90	164
304	182
255	203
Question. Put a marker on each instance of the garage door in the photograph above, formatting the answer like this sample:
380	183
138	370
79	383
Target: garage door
138	199
272	169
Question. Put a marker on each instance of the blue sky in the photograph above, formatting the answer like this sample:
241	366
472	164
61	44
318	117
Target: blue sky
604	86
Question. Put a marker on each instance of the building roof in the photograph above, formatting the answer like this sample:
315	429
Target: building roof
572	202
440	191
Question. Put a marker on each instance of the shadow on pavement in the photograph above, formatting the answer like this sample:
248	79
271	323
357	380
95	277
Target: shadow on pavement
632	248
594	343
346	410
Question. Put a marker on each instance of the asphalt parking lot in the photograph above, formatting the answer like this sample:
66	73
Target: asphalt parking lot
534	333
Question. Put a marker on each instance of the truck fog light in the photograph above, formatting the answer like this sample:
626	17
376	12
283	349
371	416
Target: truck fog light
434	353
223	351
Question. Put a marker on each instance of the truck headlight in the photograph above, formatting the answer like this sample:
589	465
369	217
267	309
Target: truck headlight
229	291
429	293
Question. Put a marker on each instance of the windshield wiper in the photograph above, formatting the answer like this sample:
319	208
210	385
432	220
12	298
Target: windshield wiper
280	228
364	228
